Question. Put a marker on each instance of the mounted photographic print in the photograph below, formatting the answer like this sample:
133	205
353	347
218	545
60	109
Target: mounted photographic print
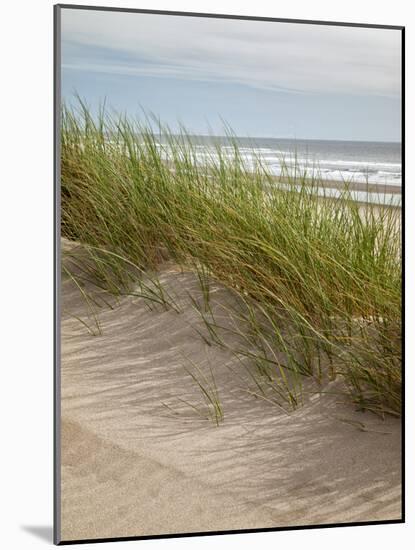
228	274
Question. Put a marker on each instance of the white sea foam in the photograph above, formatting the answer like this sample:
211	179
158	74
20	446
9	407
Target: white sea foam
353	167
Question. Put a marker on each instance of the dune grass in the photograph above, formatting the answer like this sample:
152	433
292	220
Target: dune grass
319	278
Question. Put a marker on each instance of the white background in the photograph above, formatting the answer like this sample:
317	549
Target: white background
26	233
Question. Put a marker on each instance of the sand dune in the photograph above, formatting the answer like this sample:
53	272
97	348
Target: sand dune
132	466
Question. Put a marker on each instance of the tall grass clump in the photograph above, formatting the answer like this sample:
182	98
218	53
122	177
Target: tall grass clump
320	277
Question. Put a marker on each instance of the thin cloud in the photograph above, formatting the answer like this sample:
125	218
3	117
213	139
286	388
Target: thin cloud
266	55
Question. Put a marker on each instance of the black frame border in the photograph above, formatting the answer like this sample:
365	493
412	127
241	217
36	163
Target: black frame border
57	282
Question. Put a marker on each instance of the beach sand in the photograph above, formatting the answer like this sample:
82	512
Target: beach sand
133	467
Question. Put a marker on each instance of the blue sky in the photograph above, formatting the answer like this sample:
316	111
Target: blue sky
265	79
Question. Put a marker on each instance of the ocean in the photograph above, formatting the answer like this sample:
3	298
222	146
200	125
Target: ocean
377	163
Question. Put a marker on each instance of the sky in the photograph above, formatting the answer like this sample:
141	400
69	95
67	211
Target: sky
263	78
